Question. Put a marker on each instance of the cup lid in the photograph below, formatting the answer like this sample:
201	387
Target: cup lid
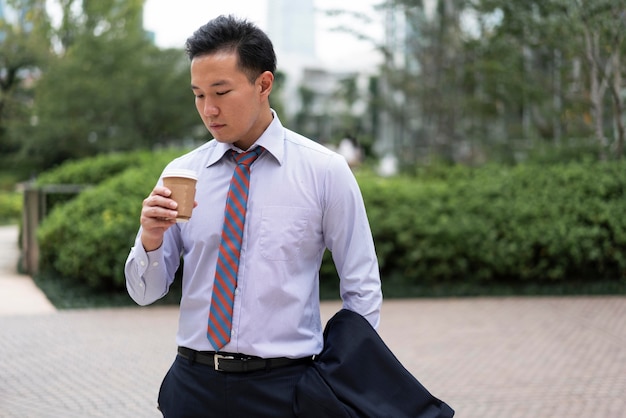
180	172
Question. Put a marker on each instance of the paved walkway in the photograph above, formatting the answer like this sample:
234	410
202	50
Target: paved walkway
487	357
18	293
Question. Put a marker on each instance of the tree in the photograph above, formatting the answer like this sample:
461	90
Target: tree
24	50
108	89
539	70
573	49
603	27
422	78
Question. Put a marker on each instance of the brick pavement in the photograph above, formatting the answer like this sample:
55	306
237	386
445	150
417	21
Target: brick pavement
487	357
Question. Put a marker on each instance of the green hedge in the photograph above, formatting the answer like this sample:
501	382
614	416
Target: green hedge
483	226
527	223
10	207
11	202
97	169
92	171
87	238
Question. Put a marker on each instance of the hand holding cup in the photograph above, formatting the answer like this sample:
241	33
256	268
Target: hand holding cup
182	184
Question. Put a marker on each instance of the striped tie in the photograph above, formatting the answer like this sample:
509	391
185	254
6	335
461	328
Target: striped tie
221	313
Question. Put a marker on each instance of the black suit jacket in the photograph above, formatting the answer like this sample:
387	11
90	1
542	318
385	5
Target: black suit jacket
356	375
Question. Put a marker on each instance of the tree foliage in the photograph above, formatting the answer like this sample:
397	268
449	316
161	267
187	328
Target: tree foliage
110	95
473	74
461	80
24	49
493	225
104	86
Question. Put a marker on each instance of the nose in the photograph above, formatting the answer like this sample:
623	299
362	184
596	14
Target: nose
210	109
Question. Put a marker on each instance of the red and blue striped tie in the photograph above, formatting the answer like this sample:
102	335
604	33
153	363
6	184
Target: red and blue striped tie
221	313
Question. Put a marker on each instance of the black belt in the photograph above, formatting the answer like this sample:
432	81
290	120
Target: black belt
237	363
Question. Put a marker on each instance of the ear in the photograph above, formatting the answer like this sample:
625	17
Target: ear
265	82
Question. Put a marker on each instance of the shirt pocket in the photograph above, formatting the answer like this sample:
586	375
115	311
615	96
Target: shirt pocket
283	230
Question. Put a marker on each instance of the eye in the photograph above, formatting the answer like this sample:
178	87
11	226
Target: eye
221	93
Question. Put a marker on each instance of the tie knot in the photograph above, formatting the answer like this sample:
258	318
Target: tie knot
247	158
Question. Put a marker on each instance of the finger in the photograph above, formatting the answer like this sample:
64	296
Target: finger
158	200
158	212
161	191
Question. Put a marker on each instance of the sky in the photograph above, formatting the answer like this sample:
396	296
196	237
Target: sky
173	22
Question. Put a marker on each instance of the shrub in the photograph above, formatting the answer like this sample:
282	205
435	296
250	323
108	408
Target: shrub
94	170
10	207
87	239
485	226
533	223
97	169
11	202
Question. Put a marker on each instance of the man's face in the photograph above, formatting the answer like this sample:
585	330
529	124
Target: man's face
232	108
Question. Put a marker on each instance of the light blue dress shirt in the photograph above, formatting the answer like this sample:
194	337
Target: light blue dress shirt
303	199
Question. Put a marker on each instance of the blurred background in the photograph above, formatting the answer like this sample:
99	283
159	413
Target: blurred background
464	81
487	135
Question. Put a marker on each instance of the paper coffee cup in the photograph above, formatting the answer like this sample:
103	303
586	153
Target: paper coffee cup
182	183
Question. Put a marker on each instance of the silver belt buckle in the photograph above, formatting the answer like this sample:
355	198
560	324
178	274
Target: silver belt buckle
217	358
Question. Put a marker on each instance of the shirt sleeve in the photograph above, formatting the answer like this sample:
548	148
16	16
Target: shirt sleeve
150	274
348	236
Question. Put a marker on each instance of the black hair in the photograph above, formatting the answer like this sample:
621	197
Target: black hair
227	33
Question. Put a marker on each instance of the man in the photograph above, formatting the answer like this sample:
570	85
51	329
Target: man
302	199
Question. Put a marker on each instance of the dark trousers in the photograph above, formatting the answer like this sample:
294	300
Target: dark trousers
193	390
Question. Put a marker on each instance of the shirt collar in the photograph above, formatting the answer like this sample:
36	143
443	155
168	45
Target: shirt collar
272	140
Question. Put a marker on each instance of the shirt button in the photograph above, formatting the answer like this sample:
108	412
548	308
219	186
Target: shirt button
142	263
141	284
156	263
236	291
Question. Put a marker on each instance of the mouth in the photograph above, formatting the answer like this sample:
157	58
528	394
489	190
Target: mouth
216	126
